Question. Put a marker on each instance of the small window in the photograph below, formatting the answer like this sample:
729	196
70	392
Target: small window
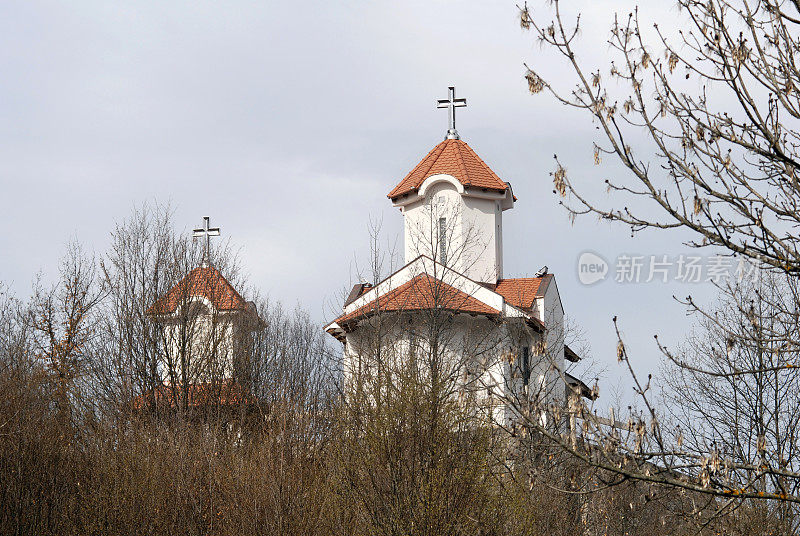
443	240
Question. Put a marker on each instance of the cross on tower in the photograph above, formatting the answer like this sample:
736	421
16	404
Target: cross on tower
206	232
452	103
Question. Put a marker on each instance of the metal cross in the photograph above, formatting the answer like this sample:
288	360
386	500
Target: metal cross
206	232
452	103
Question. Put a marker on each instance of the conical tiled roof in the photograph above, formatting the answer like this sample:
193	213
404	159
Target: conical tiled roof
455	158
205	282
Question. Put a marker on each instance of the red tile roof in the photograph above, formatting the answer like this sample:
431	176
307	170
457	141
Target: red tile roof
421	293
451	157
522	291
204	282
225	392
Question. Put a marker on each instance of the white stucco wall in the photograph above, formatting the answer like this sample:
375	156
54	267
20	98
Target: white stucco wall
422	223
474	222
210	340
486	353
550	311
484	219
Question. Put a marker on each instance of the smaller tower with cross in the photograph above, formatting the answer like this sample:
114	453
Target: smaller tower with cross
206	324
453	206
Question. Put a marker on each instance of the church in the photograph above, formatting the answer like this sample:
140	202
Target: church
502	337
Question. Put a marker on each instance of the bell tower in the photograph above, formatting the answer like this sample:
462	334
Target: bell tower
453	204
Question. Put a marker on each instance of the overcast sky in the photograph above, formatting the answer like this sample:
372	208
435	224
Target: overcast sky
288	123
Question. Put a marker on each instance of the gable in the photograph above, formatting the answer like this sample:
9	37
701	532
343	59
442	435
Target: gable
423	292
412	288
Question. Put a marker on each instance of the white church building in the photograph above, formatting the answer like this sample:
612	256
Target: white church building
505	335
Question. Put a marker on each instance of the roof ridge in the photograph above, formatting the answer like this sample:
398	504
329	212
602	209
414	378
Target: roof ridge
216	274
441	146
510	279
486	166
229	284
409	176
460	160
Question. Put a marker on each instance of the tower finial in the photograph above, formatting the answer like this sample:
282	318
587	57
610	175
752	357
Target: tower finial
451	103
206	232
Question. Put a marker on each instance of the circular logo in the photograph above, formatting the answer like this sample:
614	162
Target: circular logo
591	268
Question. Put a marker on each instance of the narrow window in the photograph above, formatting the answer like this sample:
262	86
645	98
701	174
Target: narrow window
412	344
526	365
443	240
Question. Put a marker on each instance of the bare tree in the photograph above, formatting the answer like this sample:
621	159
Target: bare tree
413	440
63	320
80	450
724	171
732	389
719	160
163	340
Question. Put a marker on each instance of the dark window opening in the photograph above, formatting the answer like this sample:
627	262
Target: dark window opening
443	240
